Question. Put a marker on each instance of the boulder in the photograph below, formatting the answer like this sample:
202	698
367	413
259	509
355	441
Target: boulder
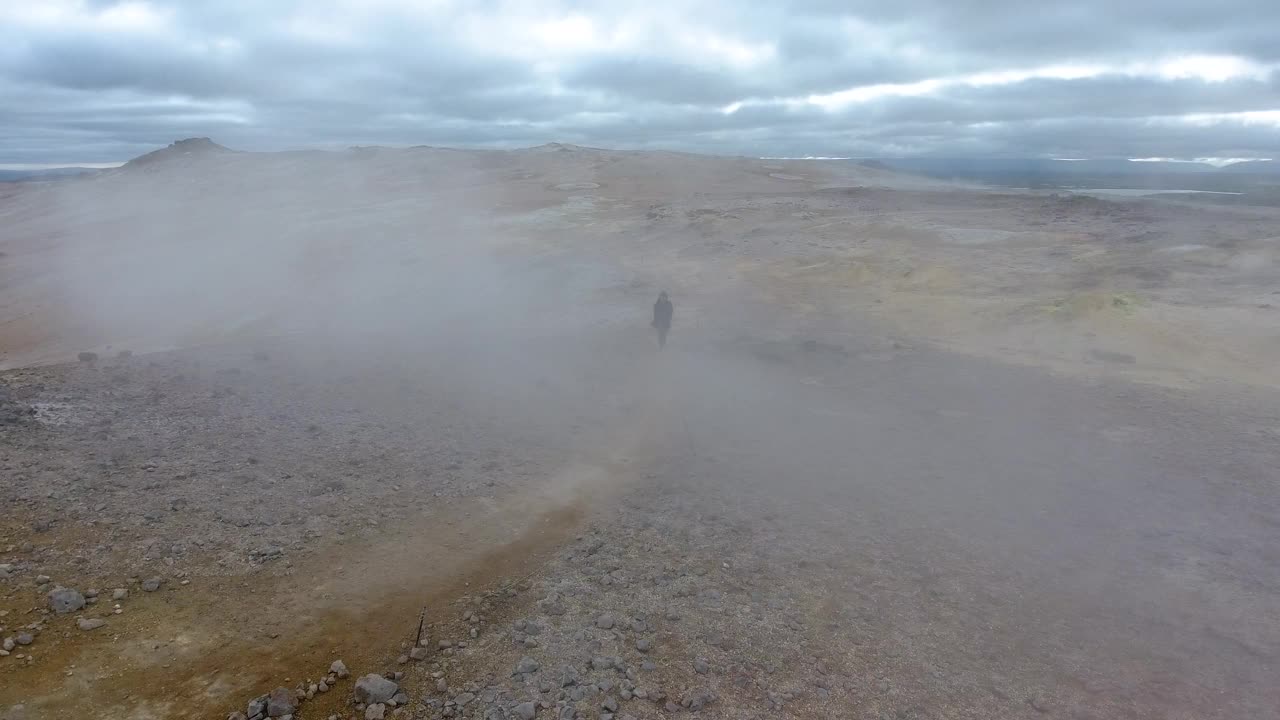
374	688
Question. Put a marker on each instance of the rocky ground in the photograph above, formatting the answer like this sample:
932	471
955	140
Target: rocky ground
718	547
909	454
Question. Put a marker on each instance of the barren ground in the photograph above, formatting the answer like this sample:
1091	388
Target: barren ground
914	450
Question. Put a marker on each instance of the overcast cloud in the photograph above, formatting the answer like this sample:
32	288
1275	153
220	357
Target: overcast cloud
99	80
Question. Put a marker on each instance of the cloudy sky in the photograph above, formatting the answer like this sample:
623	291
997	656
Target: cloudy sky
84	81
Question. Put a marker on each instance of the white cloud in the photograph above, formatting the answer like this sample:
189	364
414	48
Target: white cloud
794	77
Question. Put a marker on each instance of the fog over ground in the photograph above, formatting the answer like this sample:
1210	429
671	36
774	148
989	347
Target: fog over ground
99	80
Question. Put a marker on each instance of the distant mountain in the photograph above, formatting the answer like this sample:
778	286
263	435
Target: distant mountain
1254	167
1029	167
44	174
188	149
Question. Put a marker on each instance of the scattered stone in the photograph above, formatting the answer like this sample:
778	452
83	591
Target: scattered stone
339	668
697	699
152	584
418	653
24	639
119	594
464	699
65	600
376	711
375	689
281	702
525	711
644	645
526	665
322	687
9	644
90	594
700	666
402	659
237	715
610	704
648	666
257	707
605	622
87	624
43	579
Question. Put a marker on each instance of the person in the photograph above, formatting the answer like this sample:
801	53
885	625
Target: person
662	311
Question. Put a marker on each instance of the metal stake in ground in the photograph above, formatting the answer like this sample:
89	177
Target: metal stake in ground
422	618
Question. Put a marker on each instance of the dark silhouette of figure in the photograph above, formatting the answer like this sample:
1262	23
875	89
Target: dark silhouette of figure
662	311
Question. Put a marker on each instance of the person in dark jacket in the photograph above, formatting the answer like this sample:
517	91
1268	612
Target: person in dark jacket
662	311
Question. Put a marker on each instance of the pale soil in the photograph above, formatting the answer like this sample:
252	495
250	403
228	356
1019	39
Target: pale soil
849	485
